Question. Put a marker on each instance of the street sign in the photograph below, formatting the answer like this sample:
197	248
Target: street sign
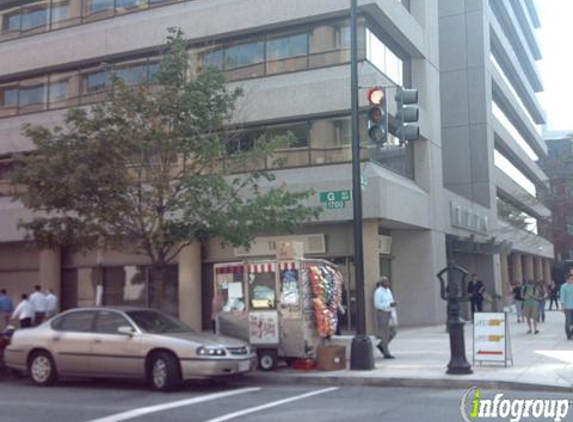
335	205
336	195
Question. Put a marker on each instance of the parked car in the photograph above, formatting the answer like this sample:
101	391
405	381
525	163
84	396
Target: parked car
124	343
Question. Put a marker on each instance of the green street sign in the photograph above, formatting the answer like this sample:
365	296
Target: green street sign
335	196
335	205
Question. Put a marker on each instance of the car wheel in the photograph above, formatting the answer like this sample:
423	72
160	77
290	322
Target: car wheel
267	359
42	368
165	373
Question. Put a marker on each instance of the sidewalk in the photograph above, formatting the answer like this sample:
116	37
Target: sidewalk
540	362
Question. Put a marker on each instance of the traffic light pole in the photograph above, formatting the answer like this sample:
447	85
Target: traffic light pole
361	355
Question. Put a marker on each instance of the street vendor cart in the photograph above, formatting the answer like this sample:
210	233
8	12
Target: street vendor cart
284	308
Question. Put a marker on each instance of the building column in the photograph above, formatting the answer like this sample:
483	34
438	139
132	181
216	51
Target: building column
50	270
505	280
190	299
528	272
517	267
371	270
538	261
546	270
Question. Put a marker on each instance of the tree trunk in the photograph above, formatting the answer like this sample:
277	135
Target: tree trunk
157	290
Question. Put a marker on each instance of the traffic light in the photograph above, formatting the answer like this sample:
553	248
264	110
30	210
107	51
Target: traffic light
407	115
377	115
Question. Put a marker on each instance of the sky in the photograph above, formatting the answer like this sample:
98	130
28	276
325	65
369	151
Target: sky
555	38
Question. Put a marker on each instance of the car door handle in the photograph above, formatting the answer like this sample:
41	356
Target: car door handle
97	340
56	338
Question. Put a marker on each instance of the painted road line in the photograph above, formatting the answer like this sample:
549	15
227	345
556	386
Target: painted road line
233	415
130	414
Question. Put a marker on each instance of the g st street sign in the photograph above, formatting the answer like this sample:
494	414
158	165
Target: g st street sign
335	200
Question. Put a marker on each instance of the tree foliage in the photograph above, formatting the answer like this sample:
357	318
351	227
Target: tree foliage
144	171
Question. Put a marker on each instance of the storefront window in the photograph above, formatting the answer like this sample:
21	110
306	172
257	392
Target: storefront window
65	13
287	53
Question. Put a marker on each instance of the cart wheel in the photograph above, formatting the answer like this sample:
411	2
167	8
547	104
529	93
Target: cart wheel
267	359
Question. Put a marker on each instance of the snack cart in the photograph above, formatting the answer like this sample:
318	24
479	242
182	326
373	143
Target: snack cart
284	308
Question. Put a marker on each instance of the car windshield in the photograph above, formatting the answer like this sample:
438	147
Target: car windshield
157	323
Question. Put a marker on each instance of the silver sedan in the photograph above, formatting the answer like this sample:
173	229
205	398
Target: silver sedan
124	343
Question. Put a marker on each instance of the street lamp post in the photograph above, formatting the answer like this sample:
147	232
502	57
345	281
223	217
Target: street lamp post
361	355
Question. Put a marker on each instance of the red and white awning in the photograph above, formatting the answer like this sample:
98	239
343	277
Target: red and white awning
287	266
229	269
262	268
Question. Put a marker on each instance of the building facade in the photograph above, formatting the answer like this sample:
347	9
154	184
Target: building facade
472	62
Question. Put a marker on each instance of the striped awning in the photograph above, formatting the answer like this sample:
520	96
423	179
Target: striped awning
262	268
287	266
229	269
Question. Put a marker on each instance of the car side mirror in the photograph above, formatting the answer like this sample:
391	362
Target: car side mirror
126	330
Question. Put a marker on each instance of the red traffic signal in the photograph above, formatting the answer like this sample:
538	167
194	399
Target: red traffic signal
376	96
377	115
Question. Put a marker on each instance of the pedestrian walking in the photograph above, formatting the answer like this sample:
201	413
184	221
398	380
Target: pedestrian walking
24	312
531	296
51	303
476	291
6	309
566	298
40	304
553	295
542	300
385	308
518	300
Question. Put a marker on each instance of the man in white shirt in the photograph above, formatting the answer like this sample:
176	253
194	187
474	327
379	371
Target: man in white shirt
51	303
38	301
24	312
385	305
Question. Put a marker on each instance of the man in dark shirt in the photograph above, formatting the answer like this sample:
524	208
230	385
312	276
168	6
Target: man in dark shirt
518	298
476	289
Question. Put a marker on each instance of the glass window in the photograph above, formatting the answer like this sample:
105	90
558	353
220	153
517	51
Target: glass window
244	60
262	290
287	53
330	140
33	95
124	6
506	166
383	58
64	89
330	43
97	9
298	154
8	99
213	58
10	23
66	13
108	322
132	73
94	85
35	17
79	321
161	2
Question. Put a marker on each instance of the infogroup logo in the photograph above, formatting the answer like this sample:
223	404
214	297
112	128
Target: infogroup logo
474	407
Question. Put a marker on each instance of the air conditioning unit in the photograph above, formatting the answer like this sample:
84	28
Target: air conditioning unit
384	245
315	243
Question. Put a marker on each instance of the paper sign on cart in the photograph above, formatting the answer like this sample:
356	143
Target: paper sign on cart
264	327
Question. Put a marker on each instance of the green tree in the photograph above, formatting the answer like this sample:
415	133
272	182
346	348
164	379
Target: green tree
145	173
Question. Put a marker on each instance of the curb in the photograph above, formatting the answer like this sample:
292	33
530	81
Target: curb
462	384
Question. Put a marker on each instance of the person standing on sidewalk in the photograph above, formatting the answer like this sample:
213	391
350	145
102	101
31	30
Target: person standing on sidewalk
518	299
476	290
531	296
385	305
553	296
24	312
40	304
6	309
566	297
542	300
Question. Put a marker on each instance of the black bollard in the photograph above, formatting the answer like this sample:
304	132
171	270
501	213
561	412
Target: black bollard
452	293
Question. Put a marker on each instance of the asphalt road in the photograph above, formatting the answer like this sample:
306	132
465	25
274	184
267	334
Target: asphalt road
117	401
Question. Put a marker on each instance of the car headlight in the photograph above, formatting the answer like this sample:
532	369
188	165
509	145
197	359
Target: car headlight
210	351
